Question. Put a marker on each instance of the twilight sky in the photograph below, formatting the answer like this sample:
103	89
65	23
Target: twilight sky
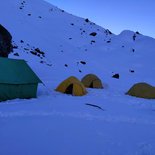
115	15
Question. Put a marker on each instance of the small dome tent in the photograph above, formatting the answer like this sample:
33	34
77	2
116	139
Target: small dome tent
92	81
142	90
72	86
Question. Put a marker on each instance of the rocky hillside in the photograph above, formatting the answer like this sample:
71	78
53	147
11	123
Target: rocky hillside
63	43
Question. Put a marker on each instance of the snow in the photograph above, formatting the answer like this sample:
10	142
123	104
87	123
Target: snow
53	125
60	124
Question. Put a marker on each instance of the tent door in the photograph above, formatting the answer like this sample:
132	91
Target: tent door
91	85
69	89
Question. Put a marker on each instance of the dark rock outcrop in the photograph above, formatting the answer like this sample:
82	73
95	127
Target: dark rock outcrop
93	34
5	42
116	76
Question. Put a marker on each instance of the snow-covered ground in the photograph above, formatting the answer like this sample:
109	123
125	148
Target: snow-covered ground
59	124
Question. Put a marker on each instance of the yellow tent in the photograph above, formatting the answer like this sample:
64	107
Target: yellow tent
72	86
92	81
142	90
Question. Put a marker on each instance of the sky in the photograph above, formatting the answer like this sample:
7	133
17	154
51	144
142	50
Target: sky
115	15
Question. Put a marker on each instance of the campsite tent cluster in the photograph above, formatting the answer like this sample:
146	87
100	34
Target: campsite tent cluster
13	84
76	87
19	81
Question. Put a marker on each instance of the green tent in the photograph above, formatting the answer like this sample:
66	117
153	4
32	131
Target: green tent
17	80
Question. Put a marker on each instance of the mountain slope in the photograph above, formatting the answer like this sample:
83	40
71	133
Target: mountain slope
57	45
66	40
